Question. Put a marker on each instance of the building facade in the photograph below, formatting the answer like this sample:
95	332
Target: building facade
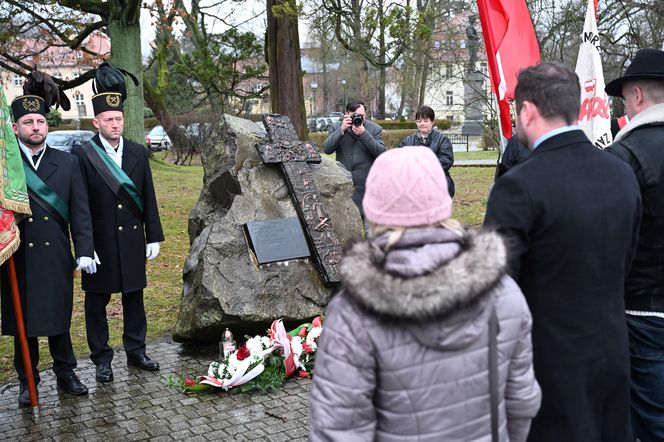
59	62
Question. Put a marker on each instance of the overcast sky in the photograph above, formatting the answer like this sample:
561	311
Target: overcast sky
249	14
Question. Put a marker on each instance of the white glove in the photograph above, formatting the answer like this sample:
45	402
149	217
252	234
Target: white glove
86	264
152	250
97	258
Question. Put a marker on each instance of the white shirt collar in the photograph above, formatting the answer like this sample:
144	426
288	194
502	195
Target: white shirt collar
28	153
116	155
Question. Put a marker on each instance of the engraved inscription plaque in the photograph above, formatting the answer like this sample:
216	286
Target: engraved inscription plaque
276	240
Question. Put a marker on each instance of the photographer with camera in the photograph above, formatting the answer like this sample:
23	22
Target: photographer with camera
357	143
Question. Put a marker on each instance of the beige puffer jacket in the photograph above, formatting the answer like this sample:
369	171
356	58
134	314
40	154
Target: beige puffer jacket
404	351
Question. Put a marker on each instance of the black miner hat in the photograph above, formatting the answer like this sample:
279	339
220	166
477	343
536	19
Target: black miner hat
107	101
28	104
647	64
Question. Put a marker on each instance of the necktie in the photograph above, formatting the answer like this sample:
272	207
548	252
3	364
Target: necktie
36	156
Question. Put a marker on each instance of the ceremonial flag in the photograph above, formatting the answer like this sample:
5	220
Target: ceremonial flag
594	116
13	190
511	45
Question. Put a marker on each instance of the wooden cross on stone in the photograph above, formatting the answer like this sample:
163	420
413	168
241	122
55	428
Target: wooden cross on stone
293	156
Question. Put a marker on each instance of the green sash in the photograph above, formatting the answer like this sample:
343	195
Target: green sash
45	193
119	174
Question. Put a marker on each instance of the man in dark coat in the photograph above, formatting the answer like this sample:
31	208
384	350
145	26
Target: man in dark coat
127	230
427	135
515	153
570	213
357	146
44	263
640	144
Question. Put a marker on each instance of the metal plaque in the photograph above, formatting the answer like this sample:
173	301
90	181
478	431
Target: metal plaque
276	240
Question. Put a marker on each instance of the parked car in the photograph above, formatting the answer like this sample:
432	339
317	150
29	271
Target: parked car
157	139
335	117
65	140
311	124
198	132
322	124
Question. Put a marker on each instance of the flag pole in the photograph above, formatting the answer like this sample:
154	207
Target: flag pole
22	336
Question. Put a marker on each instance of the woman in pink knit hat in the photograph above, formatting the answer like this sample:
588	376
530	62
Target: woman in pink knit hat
429	339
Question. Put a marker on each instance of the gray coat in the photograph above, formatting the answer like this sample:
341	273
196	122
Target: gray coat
357	154
404	351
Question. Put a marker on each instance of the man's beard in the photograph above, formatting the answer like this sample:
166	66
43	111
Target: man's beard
28	141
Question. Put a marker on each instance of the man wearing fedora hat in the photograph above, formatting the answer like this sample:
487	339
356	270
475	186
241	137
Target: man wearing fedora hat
641	145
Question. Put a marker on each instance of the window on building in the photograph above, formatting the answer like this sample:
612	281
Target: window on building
436	44
79	54
258	87
449	71
449	98
79	99
18	80
484	69
77	74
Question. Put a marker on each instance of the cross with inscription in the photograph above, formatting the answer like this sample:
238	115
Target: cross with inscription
293	156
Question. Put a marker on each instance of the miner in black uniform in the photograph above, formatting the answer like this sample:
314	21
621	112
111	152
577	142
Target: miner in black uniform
127	232
44	263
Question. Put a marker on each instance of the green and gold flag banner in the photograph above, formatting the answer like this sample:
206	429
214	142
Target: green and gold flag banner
13	189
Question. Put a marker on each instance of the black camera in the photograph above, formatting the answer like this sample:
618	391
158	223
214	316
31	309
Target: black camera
357	119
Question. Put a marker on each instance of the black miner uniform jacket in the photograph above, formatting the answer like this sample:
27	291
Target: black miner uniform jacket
119	235
44	263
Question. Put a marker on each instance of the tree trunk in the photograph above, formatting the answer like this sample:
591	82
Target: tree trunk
179	140
283	48
382	82
423	81
126	54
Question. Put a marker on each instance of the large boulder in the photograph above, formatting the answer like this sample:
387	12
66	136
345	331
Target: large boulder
223	285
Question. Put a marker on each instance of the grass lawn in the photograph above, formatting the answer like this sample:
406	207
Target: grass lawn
177	189
476	155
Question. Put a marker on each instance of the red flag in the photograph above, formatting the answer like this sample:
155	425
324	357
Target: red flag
511	45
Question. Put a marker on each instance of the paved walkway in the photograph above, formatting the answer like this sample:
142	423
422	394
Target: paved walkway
138	405
484	163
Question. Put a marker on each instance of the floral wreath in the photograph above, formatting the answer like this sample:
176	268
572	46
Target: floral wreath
262	363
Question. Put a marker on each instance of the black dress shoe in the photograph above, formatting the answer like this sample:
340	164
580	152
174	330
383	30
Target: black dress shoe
143	362
104	372
24	395
72	385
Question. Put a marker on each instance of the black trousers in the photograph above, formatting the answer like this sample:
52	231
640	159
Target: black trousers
62	353
135	325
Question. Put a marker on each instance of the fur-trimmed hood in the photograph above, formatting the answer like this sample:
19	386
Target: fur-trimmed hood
652	115
408	288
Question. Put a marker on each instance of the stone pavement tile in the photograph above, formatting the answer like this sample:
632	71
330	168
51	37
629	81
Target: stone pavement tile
164	438
279	437
141	435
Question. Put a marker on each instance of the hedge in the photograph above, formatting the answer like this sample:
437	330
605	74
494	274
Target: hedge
410	124
391	138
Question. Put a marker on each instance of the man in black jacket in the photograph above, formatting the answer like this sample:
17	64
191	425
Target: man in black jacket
44	263
124	217
570	214
640	144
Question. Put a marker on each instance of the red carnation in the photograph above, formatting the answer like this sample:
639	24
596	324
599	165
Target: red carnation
242	353
303	332
189	382
304	374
